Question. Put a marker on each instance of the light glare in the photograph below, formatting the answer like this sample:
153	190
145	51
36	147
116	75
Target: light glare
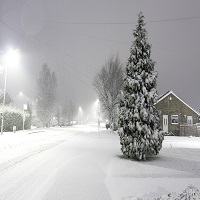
13	57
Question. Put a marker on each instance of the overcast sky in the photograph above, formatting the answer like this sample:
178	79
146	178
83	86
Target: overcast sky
75	37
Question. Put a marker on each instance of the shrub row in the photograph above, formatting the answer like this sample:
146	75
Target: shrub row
14	117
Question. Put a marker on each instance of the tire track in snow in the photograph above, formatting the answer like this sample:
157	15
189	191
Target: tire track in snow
32	152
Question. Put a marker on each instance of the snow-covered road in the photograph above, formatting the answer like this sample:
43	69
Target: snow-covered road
80	163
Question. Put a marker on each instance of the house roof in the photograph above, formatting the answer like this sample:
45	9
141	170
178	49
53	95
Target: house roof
20	100
6	93
1	92
171	92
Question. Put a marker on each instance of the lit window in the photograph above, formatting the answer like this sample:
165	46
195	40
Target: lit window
174	119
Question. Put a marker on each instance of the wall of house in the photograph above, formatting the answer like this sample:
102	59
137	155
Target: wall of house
171	105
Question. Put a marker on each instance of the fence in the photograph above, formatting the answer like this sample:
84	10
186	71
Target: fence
189	130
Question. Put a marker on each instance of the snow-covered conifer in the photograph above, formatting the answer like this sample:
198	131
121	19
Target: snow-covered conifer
140	134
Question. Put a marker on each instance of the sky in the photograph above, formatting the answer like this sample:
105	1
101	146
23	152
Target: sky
76	37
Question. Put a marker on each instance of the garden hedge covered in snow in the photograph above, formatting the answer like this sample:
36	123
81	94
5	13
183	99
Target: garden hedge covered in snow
14	117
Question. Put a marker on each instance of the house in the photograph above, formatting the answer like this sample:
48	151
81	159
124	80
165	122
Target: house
176	115
23	102
8	99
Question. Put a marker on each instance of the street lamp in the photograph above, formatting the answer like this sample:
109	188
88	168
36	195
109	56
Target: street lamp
10	58
24	108
80	115
98	102
20	96
4	97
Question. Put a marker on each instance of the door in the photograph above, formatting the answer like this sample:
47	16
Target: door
165	123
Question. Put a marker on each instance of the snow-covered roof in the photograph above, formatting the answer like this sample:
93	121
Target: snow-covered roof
2	91
171	92
7	93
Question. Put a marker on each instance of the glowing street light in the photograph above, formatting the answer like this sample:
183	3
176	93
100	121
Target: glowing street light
11	58
21	94
80	115
98	102
24	108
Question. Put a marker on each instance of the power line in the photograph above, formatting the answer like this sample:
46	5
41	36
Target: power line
115	41
64	54
110	40
117	23
89	36
100	38
42	50
172	20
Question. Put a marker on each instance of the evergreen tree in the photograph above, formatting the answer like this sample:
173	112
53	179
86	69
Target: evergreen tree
140	134
46	95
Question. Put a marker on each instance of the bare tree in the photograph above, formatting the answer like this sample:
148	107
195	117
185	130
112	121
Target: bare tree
108	84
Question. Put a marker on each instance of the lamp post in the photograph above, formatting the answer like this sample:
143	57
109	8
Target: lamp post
4	98
20	96
98	114
10	58
24	108
80	115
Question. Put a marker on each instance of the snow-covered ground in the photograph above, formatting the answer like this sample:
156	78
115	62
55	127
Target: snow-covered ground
80	163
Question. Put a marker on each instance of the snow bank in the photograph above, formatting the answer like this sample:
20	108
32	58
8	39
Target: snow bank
190	193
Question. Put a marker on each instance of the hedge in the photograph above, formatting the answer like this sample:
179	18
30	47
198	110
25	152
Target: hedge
14	117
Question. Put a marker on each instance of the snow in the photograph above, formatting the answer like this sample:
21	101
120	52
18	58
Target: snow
173	170
80	163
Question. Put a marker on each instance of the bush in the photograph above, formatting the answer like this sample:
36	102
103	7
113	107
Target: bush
37	123
190	193
14	117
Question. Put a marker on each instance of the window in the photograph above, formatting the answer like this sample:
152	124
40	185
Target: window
174	119
189	120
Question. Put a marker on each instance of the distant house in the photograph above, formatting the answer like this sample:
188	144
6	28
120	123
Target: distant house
8	99
176	114
19	102
23	102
